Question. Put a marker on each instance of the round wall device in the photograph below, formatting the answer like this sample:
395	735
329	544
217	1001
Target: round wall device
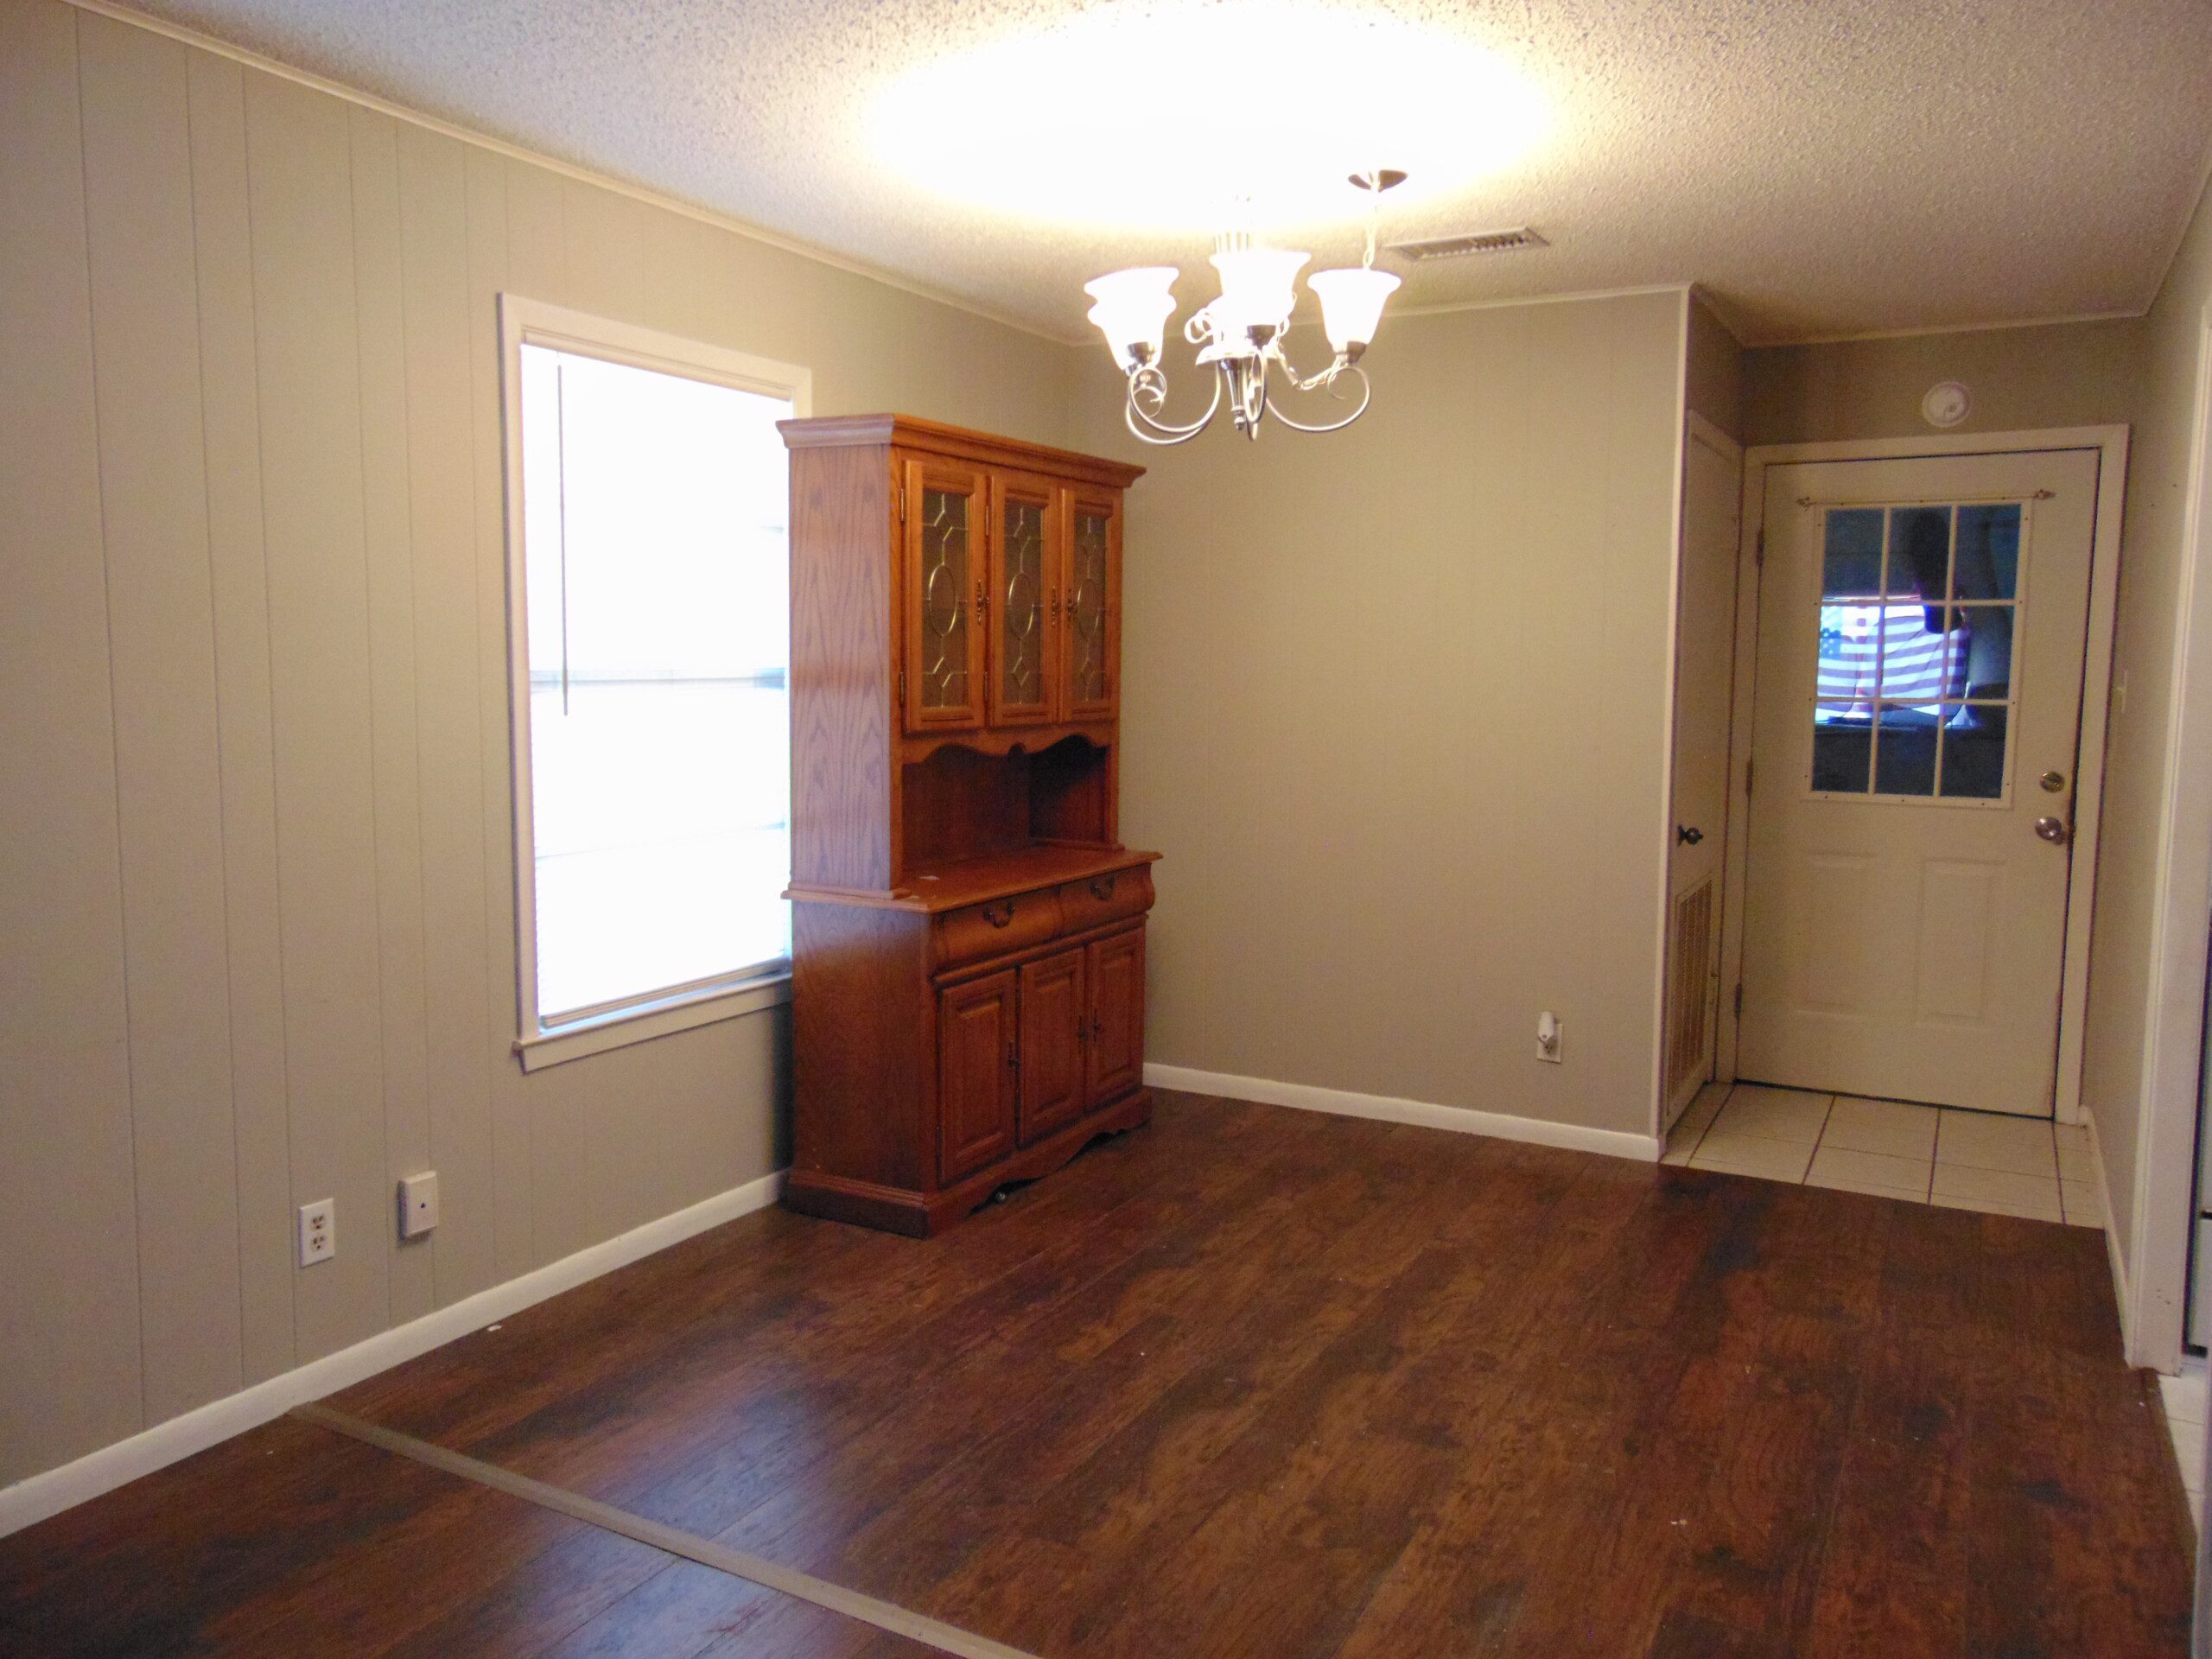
1946	403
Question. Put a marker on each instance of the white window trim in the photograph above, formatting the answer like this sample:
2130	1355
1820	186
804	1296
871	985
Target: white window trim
681	1007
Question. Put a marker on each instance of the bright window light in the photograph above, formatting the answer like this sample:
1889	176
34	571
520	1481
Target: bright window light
656	605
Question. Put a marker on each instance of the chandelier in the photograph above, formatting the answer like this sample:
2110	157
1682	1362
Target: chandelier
1239	333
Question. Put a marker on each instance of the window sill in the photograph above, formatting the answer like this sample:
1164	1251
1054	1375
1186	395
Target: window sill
600	1032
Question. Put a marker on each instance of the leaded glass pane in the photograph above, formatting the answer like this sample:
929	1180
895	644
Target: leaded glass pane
944	664
1087	609
1022	609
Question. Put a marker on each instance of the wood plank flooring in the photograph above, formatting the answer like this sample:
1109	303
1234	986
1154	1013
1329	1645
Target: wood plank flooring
1249	1382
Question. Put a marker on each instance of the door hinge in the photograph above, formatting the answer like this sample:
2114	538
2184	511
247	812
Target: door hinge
1758	551
902	688
1739	999
900	485
1748	765
1013	1056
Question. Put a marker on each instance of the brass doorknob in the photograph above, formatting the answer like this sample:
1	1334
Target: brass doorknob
2052	831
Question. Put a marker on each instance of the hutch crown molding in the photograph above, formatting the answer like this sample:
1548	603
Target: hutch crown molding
967	931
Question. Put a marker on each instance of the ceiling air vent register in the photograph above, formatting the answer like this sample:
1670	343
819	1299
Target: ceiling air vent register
1458	247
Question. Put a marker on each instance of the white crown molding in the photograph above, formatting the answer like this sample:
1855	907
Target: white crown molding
33	1500
1384	1108
1447	307
1783	342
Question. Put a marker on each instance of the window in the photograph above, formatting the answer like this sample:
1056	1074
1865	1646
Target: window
1914	691
649	562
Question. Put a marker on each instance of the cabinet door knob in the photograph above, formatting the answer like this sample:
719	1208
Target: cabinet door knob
1688	835
999	915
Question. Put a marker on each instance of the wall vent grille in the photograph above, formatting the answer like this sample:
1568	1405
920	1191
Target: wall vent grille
1456	247
1689	1000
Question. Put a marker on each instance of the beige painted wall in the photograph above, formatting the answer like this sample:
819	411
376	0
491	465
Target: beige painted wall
1395	708
2143	661
254	770
2055	374
1714	375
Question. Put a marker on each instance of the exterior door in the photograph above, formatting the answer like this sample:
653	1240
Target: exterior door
975	1062
1918	709
1091	630
1026	562
1704	636
1052	1031
946	603
1114	1060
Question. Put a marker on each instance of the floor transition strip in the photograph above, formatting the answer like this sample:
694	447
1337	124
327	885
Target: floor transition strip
884	1616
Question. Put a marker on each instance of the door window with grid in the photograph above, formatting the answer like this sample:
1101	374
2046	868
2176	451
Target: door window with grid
1919	607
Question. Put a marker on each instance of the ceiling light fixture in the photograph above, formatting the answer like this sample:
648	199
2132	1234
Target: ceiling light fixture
1239	333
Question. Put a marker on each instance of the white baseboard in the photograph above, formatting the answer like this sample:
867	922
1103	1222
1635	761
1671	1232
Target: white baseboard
1613	1143
42	1495
2113	1253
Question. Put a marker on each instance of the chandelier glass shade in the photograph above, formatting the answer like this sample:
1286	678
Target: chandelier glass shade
1240	332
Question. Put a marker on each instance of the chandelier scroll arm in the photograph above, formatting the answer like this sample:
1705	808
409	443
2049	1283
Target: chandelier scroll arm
1146	424
1366	396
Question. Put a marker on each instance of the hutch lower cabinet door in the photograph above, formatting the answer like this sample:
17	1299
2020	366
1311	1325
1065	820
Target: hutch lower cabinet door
1053	1016
977	1059
1115	1051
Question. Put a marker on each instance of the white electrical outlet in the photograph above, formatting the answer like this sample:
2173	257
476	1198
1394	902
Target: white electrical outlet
318	1231
1551	1037
418	1204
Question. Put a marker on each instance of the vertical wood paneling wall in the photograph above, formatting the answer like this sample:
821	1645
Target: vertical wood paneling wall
258	904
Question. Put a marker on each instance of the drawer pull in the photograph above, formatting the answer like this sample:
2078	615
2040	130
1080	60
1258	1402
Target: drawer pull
1101	888
999	915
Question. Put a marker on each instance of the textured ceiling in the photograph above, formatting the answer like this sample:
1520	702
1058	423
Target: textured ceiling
1823	167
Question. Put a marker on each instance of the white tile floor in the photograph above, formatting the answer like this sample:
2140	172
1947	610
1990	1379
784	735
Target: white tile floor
1966	1161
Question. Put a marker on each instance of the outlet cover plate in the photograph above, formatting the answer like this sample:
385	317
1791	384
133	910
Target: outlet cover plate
318	1231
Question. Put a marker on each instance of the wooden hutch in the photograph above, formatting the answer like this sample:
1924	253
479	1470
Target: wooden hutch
967	931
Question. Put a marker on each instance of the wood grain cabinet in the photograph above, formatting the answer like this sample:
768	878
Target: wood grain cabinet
968	930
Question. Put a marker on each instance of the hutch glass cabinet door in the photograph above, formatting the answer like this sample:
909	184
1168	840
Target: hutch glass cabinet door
947	603
1025	578
1092	628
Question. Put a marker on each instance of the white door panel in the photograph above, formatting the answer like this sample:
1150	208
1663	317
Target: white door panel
1704	674
1919	673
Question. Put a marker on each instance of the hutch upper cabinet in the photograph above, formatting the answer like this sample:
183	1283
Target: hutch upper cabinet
967	931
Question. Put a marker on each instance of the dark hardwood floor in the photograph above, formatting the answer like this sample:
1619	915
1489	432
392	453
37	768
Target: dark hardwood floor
1248	1382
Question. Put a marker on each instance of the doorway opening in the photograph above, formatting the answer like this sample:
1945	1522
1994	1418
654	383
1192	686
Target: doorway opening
1920	658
